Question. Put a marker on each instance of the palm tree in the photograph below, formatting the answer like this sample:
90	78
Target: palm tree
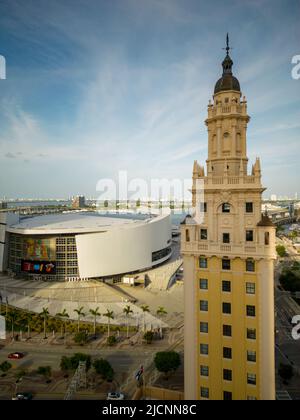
64	315
45	315
80	314
145	308
109	315
12	316
95	313
160	313
127	311
29	320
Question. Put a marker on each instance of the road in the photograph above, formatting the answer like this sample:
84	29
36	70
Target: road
287	349
122	360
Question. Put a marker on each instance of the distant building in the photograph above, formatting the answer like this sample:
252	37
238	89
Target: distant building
273	197
78	202
3	205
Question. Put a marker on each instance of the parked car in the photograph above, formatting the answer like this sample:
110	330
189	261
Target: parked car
115	396
16	355
23	396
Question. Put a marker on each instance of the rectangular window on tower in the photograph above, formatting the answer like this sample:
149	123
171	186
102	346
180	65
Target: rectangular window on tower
226	286
226	265
250	265
226	208
249	207
204	327
250	310
226	308
203	283
227	330
249	235
226	238
203	305
203	234
227	353
203	262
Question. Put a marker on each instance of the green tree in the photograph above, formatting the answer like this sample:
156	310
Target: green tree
103	367
138	203
5	366
45	315
166	362
111	340
109	315
64	316
145	309
71	363
106	203
127	311
81	338
45	371
29	321
95	313
80	314
281	251
290	280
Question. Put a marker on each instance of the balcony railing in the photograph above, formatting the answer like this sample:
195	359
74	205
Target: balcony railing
231	180
198	248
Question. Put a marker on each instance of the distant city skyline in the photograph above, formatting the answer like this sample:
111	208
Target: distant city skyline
106	86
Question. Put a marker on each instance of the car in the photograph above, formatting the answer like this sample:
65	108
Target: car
115	396
24	396
17	355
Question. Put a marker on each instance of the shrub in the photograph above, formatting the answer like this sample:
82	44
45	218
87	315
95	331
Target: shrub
81	338
5	366
103	368
167	361
111	340
45	371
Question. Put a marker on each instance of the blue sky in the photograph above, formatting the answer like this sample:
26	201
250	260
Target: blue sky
97	86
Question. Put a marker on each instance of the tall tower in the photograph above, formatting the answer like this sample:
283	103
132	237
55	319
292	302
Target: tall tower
228	263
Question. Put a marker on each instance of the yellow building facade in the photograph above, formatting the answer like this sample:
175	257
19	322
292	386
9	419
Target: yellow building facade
228	248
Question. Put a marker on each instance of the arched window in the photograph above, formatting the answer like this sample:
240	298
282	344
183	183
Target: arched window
226	208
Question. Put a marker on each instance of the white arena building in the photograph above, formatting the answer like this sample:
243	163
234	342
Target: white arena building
82	245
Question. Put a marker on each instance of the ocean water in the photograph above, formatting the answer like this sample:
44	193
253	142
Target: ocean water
176	218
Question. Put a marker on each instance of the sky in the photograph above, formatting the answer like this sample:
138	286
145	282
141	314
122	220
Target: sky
96	86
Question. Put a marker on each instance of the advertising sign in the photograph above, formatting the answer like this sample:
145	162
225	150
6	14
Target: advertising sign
39	249
38	267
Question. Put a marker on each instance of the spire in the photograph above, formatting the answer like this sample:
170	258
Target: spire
227	45
227	63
